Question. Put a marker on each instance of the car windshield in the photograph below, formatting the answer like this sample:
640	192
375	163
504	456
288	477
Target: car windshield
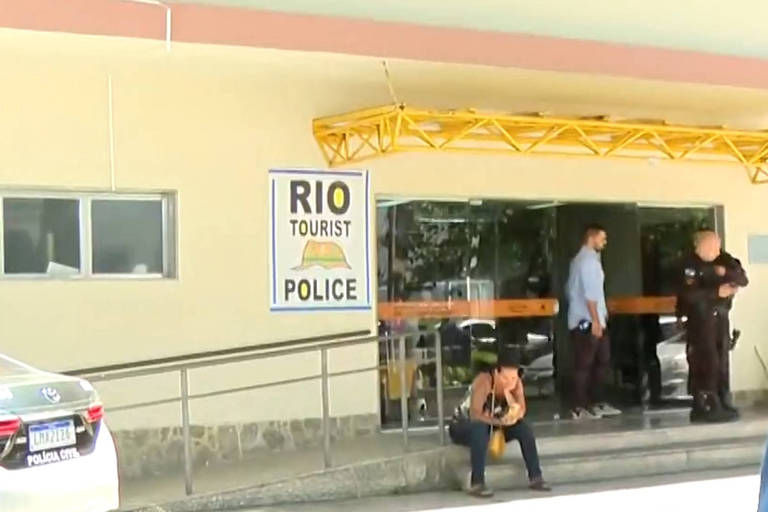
481	331
10	368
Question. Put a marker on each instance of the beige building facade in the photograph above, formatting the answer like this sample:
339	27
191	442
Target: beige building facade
194	128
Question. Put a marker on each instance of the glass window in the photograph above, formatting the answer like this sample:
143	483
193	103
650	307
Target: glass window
666	238
41	236
127	236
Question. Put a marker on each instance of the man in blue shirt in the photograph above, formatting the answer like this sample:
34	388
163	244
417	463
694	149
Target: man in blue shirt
587	322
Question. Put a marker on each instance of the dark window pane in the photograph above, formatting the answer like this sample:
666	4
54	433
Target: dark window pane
41	236
127	237
481	330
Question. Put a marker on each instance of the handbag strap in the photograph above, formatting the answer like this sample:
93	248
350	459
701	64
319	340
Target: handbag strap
493	399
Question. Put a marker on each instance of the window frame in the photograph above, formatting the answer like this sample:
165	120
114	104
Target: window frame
85	223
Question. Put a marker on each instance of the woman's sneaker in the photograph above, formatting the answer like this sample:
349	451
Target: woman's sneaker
579	413
480	491
538	484
604	410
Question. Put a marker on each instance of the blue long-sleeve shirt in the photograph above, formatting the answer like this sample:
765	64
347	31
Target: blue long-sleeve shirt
585	283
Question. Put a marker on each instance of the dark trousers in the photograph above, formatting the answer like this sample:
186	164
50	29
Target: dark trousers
708	347
724	342
592	359
476	435
652	335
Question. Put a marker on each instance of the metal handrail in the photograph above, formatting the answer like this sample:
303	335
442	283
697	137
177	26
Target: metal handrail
321	344
215	353
253	355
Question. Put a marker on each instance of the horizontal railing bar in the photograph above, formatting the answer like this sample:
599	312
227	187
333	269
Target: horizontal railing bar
215	353
355	371
228	360
141	405
264	353
253	387
241	389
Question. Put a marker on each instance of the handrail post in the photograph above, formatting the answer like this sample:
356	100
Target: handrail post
186	431
403	398
325	392
439	386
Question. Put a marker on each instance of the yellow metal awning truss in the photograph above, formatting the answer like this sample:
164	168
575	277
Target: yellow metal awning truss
364	134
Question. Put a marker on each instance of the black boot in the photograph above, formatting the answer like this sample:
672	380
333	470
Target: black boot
699	409
715	412
727	403
708	409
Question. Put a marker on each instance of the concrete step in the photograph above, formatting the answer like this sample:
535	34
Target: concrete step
607	464
448	468
592	437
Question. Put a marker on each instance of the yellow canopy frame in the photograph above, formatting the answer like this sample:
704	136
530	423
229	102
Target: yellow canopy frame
365	134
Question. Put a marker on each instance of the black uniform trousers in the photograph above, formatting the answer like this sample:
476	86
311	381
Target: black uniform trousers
724	345
708	347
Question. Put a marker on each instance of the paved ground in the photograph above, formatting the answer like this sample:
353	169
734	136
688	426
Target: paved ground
734	490
269	467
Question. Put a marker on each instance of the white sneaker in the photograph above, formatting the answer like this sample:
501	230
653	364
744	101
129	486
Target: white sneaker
604	410
583	414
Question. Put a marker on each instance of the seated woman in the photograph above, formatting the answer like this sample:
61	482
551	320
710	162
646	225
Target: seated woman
497	401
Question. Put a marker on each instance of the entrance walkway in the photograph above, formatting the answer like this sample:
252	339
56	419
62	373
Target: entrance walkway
271	467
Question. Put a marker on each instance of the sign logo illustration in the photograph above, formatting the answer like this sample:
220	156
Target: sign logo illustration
319	240
326	255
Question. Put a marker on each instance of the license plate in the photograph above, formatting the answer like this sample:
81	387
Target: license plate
47	436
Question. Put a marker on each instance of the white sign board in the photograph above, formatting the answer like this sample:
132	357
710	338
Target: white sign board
319	243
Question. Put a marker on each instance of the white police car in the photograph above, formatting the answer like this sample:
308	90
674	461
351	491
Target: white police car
56	453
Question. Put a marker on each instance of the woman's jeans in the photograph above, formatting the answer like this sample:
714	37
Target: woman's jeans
476	435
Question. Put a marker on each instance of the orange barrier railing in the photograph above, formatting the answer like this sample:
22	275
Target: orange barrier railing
462	308
516	308
642	305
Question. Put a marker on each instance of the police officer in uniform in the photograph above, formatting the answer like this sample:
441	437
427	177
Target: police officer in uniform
729	270
711	278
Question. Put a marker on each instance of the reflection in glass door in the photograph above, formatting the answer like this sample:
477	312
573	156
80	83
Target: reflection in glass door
471	252
666	237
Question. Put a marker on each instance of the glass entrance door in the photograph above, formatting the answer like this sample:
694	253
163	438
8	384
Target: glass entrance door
475	253
458	265
646	245
623	278
666	235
